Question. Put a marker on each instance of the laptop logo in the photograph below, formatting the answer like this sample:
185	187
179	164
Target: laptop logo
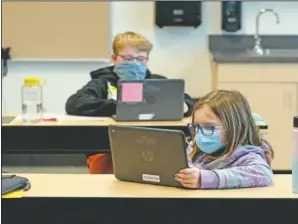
150	99
147	155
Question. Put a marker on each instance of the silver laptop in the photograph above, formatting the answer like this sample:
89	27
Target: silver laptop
147	155
151	99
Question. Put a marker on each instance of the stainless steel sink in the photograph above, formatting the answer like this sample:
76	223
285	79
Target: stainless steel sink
274	53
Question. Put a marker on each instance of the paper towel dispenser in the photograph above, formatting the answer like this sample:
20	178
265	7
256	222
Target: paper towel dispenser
231	15
178	13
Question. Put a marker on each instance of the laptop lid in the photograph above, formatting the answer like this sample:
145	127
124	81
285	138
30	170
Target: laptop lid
151	99
147	155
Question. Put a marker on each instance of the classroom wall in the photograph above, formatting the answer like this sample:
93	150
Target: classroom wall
288	11
179	52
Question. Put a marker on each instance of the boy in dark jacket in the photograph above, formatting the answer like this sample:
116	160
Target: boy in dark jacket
98	97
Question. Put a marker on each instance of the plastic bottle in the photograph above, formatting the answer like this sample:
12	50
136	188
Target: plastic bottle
295	156
32	100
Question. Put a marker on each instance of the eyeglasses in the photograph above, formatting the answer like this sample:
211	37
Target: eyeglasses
206	130
140	59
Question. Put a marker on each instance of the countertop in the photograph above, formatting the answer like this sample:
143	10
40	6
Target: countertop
238	49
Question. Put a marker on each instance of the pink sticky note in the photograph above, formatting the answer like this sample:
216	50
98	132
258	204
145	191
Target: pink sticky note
132	92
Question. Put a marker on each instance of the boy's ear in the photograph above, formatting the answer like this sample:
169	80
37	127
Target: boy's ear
114	58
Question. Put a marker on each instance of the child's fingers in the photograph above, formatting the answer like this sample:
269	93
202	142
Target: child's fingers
185	175
183	181
187	170
189	185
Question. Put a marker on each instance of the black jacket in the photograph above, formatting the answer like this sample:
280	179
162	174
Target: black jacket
91	99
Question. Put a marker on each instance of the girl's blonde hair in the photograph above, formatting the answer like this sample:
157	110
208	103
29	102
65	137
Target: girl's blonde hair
233	109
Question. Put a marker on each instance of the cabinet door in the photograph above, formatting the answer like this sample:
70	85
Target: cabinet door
277	104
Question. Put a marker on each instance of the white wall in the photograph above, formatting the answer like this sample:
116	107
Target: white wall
62	79
288	12
179	52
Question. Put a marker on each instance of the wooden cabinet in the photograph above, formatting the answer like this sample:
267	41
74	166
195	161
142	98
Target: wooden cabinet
58	29
273	95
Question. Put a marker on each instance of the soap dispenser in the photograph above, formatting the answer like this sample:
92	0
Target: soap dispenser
231	15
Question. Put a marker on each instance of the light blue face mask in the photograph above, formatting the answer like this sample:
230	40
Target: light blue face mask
209	144
131	70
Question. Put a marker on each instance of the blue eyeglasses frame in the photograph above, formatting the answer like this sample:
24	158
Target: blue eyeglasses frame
196	127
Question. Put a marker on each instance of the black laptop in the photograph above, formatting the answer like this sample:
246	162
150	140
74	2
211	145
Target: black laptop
151	99
147	155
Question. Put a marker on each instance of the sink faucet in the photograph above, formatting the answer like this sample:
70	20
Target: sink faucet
258	41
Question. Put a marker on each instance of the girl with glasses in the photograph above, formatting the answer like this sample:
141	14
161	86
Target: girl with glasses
225	149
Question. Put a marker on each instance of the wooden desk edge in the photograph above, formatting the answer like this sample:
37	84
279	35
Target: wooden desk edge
106	122
104	186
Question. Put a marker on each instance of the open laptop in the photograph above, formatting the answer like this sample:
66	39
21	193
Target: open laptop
151	99
147	155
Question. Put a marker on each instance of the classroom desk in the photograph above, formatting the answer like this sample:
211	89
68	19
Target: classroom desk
69	136
100	185
82	195
73	136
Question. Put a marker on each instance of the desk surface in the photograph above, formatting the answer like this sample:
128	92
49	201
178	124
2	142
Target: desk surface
86	185
105	122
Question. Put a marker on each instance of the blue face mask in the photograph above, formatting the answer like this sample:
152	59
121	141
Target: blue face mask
131	70
209	144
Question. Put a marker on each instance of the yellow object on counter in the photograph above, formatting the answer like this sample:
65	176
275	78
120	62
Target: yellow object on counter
14	194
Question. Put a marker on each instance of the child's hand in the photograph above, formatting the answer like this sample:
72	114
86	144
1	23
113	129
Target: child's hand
189	177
